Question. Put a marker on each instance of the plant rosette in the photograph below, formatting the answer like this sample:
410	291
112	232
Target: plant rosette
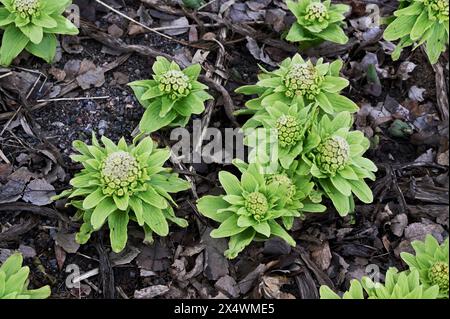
333	155
249	210
32	25
419	22
120	183
288	123
299	191
431	261
14	281
171	97
300	82
398	285
317	21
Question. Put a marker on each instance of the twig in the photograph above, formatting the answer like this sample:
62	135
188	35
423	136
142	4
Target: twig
143	25
74	99
5	75
227	100
205	5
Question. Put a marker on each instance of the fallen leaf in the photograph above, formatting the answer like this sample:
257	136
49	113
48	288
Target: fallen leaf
39	192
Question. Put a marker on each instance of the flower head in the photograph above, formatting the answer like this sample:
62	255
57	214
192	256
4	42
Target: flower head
333	154
175	83
120	173
26	8
289	130
438	275
437	9
284	181
257	205
303	80
316	11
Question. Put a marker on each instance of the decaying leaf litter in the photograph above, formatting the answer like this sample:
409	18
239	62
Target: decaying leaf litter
45	107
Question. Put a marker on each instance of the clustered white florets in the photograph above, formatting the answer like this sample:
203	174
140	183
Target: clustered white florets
120	173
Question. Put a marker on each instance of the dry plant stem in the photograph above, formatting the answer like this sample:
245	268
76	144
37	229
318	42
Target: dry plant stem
74	99
227	100
5	75
144	26
441	92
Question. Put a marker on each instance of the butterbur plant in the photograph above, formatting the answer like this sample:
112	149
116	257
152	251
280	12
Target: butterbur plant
171	97
431	262
420	22
317	21
289	123
398	285
119	183
14	281
249	210
303	83
333	155
32	25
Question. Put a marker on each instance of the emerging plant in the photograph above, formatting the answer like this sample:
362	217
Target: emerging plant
300	195
300	82
333	155
289	123
249	210
14	281
121	182
398	285
431	262
171	97
31	25
317	21
418	22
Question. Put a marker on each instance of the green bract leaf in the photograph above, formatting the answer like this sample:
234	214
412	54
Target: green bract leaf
317	20
431	261
32	25
171	97
420	21
121	183
301	82
14	281
254	205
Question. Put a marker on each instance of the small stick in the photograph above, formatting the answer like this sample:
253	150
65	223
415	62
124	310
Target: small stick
206	4
74	99
5	75
134	21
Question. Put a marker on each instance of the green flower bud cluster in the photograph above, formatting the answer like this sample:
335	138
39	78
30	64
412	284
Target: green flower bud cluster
439	9
303	80
333	154
285	181
316	11
257	205
288	130
120	173
176	83
26	7
438	275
